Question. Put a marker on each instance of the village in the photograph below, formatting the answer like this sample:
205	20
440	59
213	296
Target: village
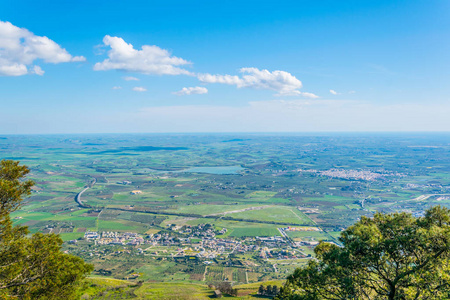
201	242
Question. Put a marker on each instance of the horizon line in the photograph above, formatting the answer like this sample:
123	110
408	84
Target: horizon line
235	132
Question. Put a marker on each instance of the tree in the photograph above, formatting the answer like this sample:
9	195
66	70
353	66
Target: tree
275	290
389	256
225	287
261	290
234	292
31	267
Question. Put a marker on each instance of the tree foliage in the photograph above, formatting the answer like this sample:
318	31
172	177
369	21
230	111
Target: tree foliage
31	267
225	287
270	290
389	256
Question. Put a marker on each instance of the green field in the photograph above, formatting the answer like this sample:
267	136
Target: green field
101	287
121	225
317	235
259	231
283	180
207	209
281	214
170	291
71	236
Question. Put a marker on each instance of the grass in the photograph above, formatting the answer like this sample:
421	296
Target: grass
317	235
261	231
174	291
289	215
121	225
235	228
71	235
262	195
152	231
107	281
73	165
153	271
107	288
207	209
77	220
335	234
257	284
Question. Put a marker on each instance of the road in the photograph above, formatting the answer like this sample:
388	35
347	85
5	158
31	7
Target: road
290	241
78	196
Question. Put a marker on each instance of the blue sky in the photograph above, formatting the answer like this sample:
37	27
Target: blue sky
224	66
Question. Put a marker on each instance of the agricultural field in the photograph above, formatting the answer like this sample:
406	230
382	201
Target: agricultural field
181	208
284	214
105	288
254	231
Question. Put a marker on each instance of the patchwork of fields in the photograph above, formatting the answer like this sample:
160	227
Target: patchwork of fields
245	187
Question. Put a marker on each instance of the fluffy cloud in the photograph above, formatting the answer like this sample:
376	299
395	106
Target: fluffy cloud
333	92
284	83
130	78
139	89
309	95
38	71
19	48
116	87
148	60
191	91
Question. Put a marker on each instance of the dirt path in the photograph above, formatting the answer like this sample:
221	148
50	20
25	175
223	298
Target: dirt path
204	274
425	197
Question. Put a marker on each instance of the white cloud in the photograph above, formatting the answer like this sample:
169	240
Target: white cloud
309	95
333	92
38	71
78	58
130	78
149	60
284	83
225	79
19	48
116	87
191	91
12	69
352	92
139	89
99	49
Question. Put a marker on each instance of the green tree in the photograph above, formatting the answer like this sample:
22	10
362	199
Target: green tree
268	290
390	256
261	290
32	267
234	292
275	290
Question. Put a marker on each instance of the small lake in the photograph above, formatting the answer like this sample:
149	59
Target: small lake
221	170
215	170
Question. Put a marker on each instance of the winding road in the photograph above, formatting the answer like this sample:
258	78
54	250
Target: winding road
78	196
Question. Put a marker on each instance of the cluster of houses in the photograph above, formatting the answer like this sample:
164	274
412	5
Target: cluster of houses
201	241
353	174
114	238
